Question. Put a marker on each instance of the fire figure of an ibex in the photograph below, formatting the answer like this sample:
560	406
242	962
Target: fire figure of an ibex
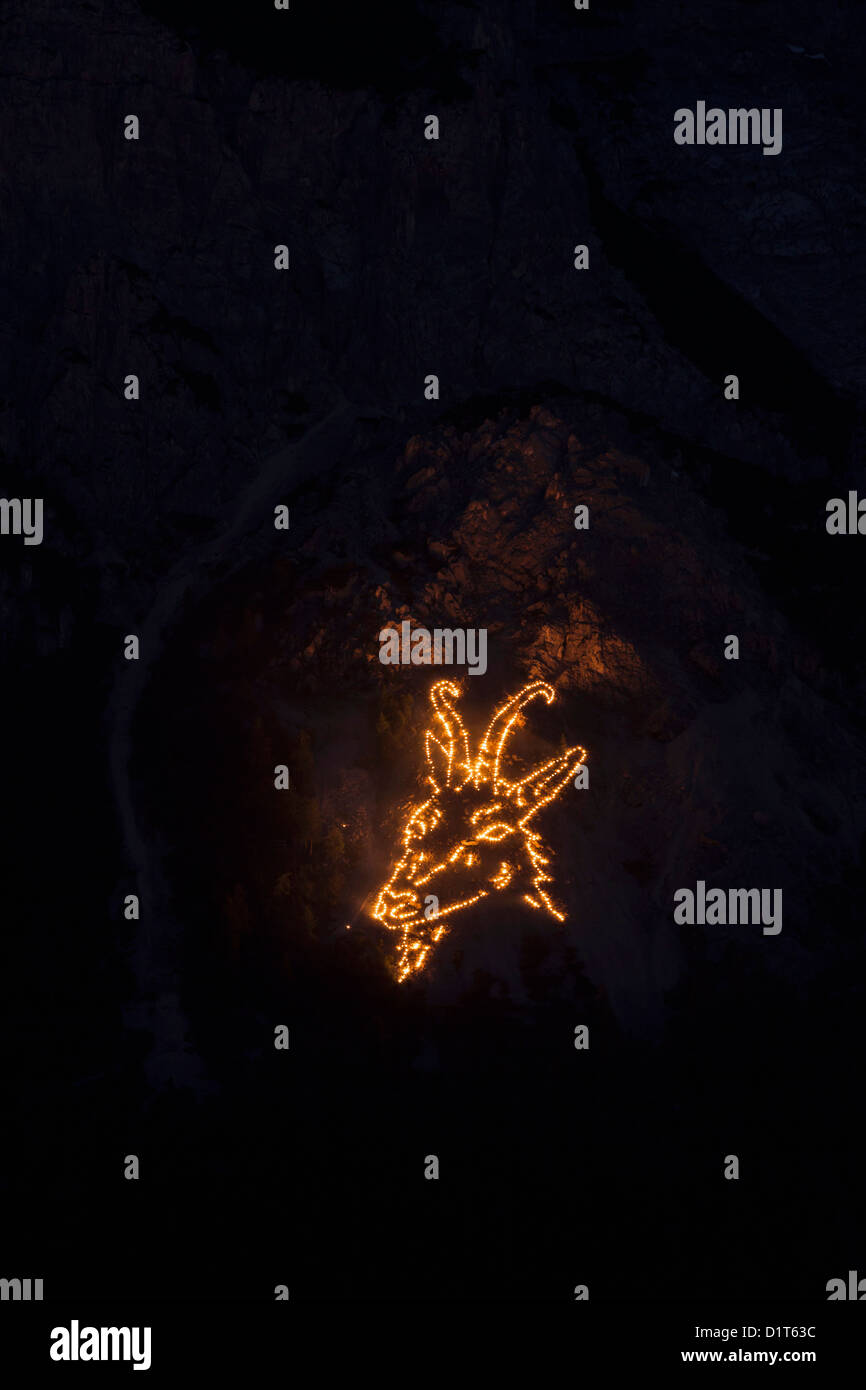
473	835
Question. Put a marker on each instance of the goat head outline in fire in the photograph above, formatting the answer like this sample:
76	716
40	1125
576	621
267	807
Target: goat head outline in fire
473	835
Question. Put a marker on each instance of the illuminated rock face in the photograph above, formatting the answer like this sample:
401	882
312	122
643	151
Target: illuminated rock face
473	835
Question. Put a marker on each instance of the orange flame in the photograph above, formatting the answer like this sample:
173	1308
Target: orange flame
473	807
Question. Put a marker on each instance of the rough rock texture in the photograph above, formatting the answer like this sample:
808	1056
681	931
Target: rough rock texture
558	387
742	773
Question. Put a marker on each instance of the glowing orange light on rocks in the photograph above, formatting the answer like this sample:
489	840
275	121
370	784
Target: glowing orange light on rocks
473	833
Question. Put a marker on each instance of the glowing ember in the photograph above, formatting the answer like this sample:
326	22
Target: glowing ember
472	836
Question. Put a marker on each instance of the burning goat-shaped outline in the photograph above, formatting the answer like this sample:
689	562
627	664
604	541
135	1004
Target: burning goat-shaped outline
475	820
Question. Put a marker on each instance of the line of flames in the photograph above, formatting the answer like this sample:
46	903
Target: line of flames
485	767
